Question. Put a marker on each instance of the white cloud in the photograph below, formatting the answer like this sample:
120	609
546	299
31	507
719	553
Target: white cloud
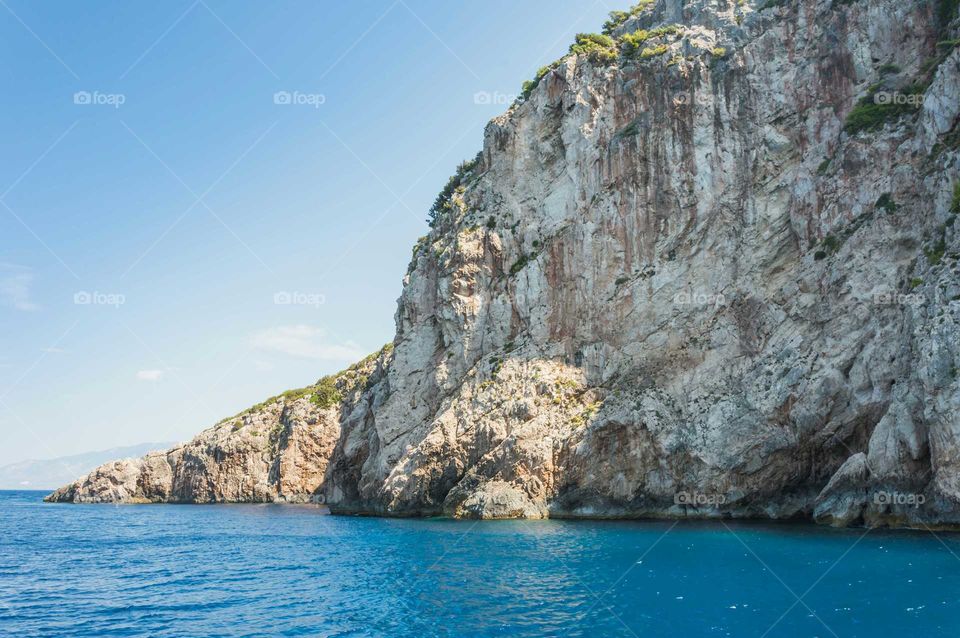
150	375
306	342
15	284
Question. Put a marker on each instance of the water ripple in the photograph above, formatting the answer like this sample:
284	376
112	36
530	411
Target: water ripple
295	571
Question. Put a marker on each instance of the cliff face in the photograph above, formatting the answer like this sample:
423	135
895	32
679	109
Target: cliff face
715	273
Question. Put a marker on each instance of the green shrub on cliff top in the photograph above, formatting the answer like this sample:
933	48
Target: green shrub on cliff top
527	88
325	393
442	204
617	18
530	85
630	43
597	47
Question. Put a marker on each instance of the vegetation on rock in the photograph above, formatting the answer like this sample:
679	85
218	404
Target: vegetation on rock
519	264
630	43
530	85
876	108
618	18
325	393
598	48
443	204
602	48
649	52
885	202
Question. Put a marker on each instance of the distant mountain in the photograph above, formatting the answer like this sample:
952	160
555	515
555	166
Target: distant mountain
51	473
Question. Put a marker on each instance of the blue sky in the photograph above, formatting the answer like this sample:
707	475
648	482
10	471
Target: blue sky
160	202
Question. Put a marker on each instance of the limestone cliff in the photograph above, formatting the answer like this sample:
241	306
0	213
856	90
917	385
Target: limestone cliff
706	266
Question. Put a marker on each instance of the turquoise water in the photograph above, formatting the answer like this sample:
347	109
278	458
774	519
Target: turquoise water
269	570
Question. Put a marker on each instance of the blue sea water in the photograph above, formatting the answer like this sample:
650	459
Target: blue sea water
271	570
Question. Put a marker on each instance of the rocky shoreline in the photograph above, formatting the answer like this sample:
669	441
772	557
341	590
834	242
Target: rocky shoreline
711	267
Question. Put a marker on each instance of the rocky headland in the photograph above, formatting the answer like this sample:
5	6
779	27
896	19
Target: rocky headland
705	266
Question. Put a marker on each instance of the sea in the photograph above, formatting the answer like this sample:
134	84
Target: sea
283	570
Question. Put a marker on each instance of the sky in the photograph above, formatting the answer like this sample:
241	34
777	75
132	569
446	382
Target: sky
205	202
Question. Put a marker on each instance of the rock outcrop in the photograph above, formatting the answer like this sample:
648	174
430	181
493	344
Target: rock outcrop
276	451
707	270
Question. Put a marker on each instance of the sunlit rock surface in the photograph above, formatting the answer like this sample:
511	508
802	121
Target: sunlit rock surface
670	286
